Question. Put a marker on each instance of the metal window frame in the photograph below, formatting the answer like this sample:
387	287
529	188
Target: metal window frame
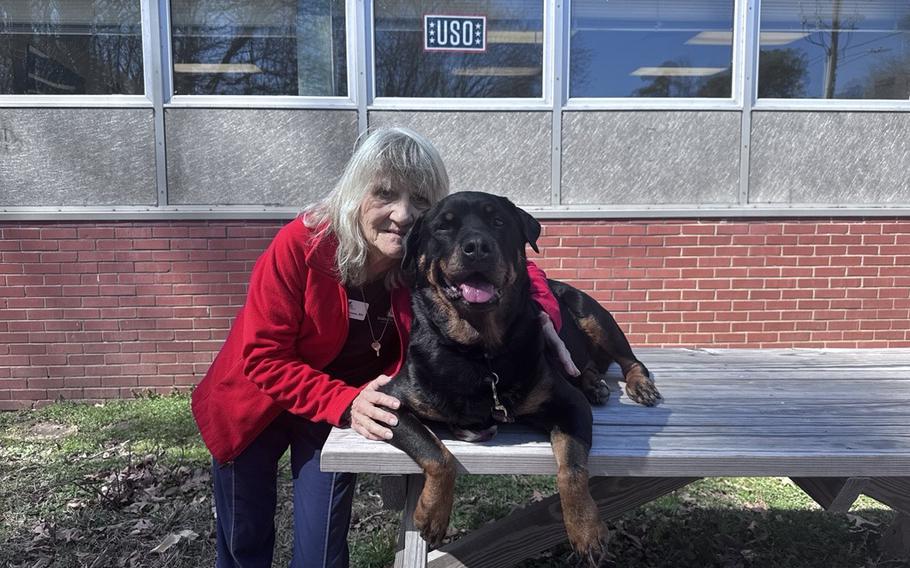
156	21
350	102
99	101
158	78
748	44
817	105
559	93
520	104
75	101
734	102
229	212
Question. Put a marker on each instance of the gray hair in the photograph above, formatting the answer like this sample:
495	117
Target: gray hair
394	154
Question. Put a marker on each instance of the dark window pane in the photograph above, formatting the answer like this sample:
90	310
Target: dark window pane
835	49
651	48
510	65
59	47
267	47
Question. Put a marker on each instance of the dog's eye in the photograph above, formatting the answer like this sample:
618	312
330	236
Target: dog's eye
497	222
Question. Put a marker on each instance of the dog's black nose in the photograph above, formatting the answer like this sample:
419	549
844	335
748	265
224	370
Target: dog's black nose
476	247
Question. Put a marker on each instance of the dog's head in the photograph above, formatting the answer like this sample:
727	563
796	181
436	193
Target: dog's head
468	251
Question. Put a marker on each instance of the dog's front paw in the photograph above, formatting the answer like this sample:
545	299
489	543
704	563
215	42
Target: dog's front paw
589	541
587	533
642	389
432	520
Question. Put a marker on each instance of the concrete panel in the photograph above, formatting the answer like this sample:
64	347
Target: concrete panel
830	158
256	156
506	153
70	157
650	158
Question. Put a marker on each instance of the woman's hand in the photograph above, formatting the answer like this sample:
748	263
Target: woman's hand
368	416
556	344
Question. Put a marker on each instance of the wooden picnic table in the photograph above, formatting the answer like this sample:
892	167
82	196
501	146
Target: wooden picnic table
835	421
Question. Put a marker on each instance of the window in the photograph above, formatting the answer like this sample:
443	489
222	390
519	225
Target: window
835	49
50	47
424	48
267	47
651	48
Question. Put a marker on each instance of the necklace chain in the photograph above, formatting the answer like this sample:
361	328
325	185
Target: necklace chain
376	345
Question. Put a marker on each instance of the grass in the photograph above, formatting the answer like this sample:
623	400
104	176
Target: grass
127	484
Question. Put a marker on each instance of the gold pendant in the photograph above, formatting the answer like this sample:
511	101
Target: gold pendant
376	347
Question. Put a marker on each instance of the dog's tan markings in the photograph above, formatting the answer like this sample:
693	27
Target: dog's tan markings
493	328
509	276
587	534
491	331
434	507
422	263
424	410
457	329
592	329
535	399
433	275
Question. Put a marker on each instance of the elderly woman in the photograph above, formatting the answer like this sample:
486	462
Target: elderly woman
324	324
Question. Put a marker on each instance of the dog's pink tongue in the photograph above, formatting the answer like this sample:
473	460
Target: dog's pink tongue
477	292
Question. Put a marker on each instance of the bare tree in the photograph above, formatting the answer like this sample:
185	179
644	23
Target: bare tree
831	44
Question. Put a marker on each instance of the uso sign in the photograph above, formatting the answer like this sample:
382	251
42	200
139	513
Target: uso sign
454	33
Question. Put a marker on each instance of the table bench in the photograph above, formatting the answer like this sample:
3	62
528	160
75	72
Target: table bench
835	421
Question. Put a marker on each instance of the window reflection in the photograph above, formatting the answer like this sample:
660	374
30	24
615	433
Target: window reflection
835	49
60	47
268	47
510	66
651	48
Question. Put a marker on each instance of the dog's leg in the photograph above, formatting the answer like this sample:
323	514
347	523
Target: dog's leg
591	383
438	464
570	422
640	386
610	344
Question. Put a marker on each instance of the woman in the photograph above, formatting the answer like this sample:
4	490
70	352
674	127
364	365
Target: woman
324	324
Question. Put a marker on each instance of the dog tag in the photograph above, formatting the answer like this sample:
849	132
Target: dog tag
376	347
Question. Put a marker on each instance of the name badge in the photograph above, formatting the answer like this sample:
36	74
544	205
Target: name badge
357	310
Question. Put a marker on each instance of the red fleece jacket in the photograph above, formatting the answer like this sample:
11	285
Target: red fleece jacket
294	323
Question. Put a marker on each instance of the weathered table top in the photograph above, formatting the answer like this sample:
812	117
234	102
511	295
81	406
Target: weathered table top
769	412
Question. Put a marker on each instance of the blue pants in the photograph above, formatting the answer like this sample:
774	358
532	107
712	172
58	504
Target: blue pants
246	496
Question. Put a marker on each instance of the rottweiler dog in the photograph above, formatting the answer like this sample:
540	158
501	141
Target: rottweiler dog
477	357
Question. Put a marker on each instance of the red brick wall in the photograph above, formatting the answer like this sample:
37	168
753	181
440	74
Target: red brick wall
102	310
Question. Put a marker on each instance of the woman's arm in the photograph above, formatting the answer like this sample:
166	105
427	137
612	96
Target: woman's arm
272	317
550	317
542	295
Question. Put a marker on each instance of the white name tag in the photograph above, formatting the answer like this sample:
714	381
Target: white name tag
357	310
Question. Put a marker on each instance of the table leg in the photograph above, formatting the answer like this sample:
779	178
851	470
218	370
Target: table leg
538	527
834	494
895	541
894	492
412	549
393	489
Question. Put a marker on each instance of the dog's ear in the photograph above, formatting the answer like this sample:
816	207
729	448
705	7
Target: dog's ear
530	226
411	244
